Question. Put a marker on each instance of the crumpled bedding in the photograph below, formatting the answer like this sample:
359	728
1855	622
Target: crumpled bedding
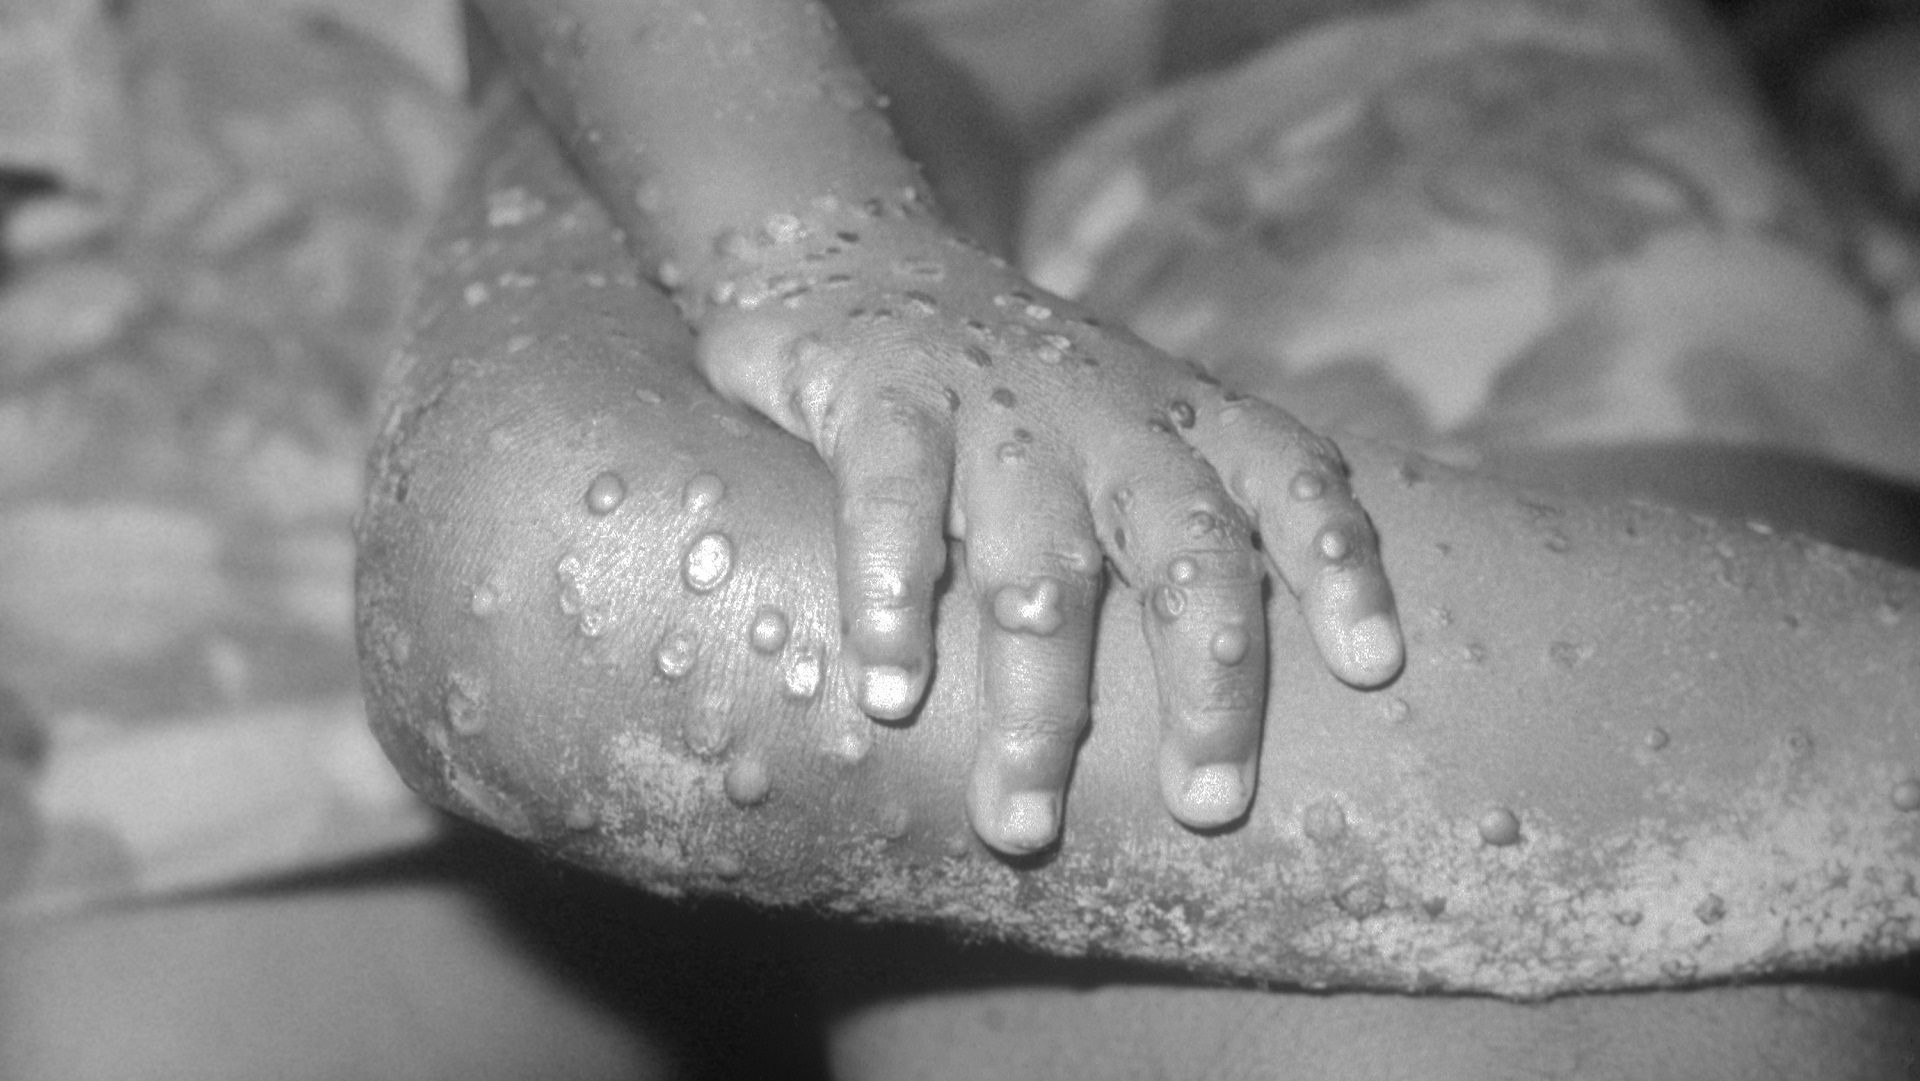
210	214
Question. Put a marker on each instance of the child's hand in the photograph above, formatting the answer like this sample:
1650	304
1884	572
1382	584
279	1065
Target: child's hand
947	395
950	396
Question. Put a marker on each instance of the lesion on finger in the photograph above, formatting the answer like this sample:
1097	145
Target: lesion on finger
1204	536
1037	608
1207	572
1347	542
1050	589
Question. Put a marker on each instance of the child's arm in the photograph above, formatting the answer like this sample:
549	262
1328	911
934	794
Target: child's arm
695	117
750	163
1632	748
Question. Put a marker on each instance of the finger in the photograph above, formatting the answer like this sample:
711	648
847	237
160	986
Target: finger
1032	558
892	459
1172	530
1315	532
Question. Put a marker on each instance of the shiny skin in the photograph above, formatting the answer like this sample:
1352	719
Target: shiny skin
747	160
621	701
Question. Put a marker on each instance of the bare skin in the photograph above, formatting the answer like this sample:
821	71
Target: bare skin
749	164
1790	1032
515	700
569	591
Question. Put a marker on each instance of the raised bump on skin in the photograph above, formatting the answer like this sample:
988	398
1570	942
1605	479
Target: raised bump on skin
1037	609
1324	821
1333	544
708	731
1499	827
747	782
1169	602
484	602
675	655
580	818
800	681
708	563
605	493
465	705
1205	523
702	493
1230	645
1084	558
768	632
1906	795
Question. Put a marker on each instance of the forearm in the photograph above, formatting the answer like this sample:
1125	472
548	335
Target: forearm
694	117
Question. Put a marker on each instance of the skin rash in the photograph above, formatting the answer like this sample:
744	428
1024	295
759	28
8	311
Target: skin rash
749	162
598	610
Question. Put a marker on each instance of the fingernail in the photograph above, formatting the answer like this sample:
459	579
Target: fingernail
1213	795
1373	649
887	692
1028	822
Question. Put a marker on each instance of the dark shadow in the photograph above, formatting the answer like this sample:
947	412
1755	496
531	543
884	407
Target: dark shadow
726	990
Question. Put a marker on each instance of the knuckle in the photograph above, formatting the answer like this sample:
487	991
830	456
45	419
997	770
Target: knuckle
1073	566
1210	541
762	361
896	567
1190	508
1227	710
897	435
1030	733
879	611
1203	569
887	502
1215	523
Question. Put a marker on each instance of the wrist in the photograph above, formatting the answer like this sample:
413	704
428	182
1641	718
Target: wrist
885	251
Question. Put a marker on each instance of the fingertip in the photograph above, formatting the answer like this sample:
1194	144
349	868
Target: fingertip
1013	823
1350	610
1209	796
888	692
1369	651
1027	823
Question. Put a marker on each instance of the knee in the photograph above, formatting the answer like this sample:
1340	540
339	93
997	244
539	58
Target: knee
570	545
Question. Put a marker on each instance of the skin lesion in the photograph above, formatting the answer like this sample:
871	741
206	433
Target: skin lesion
1497	805
826	293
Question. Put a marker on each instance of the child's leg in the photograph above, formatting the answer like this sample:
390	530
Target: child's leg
597	606
1810	1032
